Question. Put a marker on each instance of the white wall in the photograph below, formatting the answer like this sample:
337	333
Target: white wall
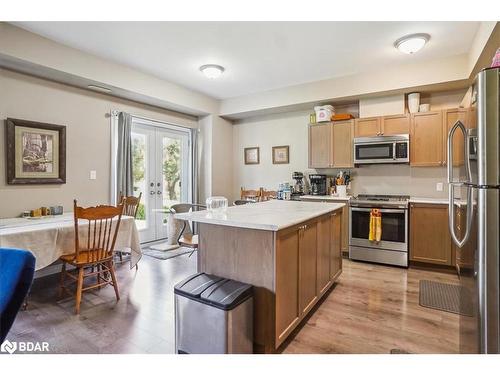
86	117
266	132
215	158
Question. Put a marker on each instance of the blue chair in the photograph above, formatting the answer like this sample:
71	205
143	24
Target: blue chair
17	268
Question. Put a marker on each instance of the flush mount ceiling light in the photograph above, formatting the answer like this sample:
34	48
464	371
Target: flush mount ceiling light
212	71
411	43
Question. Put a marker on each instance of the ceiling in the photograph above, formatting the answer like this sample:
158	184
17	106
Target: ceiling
258	56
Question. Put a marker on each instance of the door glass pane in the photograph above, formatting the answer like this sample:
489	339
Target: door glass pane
393	227
139	160
360	225
379	151
172	171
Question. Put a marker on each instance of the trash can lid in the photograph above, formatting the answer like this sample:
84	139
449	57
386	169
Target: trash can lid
194	285
226	294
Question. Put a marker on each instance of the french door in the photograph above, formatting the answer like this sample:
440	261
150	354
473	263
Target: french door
162	173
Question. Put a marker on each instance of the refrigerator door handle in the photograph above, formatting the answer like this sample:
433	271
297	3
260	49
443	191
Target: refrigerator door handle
451	215
457	125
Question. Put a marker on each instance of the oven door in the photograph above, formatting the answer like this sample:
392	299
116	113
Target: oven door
394	228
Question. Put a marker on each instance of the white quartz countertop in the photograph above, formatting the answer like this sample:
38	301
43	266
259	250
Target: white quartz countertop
429	200
458	202
272	215
326	198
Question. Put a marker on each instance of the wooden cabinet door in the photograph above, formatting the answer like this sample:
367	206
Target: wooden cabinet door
367	127
323	258
307	267
287	282
345	228
430	240
343	133
472	117
451	116
335	245
392	125
426	139
320	145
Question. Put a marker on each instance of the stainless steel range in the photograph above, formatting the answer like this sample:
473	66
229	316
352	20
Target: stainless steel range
393	246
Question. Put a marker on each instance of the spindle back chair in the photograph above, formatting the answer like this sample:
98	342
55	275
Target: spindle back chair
94	249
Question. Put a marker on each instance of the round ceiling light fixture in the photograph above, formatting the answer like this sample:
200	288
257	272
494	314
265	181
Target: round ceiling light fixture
212	71
411	43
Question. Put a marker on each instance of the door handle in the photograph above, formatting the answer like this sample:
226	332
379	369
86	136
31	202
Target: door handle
158	192
457	125
451	215
152	192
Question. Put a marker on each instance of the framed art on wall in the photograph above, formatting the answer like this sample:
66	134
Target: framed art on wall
252	155
36	152
281	154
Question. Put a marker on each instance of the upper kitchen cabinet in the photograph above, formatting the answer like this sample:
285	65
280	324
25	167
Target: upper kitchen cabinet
367	127
392	125
451	116
320	145
386	125
343	133
426	139
330	144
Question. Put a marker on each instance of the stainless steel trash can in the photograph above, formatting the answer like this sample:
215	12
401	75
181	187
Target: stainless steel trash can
213	315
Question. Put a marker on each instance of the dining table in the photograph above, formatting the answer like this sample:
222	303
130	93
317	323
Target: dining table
50	237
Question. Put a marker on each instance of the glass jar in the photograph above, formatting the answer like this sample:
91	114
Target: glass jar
216	204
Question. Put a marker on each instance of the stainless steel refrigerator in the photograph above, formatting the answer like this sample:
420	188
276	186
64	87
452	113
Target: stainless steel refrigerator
474	196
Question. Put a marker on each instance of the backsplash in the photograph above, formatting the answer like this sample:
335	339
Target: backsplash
396	179
399	179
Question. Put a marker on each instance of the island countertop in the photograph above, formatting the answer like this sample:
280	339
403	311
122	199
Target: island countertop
272	215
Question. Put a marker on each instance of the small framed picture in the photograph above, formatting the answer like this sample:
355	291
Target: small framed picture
252	155
281	154
36	153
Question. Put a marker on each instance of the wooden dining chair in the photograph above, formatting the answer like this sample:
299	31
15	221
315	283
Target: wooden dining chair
93	252
130	208
130	204
265	195
253	195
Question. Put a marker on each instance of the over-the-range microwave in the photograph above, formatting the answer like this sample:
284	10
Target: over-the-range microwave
382	149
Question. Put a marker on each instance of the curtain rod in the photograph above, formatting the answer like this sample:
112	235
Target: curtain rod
116	113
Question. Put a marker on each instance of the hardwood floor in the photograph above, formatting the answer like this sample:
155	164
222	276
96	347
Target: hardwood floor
142	321
373	309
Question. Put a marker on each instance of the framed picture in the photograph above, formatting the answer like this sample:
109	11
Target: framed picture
252	155
36	152
281	154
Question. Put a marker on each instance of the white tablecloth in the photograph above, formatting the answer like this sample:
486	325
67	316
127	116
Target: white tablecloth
50	237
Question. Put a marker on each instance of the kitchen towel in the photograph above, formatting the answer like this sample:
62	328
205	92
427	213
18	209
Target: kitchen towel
375	233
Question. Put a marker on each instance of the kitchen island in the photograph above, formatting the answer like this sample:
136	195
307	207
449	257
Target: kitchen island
290	251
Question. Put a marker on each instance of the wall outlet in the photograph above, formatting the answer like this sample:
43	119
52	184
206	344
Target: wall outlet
93	175
439	186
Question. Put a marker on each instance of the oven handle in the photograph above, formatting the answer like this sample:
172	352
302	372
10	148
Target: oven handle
386	210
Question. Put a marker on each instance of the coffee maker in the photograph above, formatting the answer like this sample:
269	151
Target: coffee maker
318	184
298	187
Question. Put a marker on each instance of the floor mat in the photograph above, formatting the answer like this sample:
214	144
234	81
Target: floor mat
163	255
440	296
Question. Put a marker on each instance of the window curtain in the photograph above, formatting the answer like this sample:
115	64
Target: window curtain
195	163
124	173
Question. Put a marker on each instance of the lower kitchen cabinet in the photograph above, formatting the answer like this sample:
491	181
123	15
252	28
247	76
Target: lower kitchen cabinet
430	240
308	261
307	267
335	245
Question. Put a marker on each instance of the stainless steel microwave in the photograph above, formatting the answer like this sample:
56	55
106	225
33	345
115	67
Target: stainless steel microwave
382	149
